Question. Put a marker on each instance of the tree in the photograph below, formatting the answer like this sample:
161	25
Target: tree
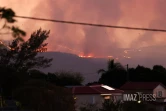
52	78
60	78
159	73
134	106
92	83
141	74
112	65
115	75
7	17
23	57
110	105
67	78
144	74
89	107
36	74
159	68
36	95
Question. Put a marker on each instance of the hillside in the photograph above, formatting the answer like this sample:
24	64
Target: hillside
148	56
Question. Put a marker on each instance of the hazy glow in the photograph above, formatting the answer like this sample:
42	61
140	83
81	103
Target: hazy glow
84	56
92	40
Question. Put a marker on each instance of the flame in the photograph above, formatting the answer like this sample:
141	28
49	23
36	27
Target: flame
86	56
93	56
80	55
110	56
125	51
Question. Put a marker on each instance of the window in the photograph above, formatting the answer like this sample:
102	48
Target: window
106	97
159	93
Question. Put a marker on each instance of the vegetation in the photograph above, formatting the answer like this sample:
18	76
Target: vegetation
19	74
60	78
89	107
110	105
66	78
134	106
41	96
17	62
7	19
114	76
141	73
20	78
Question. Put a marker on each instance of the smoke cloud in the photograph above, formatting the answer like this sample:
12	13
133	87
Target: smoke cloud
95	40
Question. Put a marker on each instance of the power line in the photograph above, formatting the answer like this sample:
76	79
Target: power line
90	24
5	33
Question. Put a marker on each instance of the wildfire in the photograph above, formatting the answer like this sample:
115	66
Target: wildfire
86	56
110	56
82	55
136	50
92	56
127	57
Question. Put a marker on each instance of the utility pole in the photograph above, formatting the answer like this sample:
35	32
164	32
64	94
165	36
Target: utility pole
127	77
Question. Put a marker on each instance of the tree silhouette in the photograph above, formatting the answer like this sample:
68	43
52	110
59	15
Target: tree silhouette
38	96
7	18
144	74
36	74
60	78
115	75
112	65
66	78
22	57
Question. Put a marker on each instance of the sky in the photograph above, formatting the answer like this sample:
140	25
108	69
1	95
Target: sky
89	40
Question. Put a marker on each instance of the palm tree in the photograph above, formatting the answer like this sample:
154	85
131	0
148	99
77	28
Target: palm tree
112	65
114	75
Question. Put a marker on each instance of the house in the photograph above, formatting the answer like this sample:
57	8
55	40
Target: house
94	94
155	88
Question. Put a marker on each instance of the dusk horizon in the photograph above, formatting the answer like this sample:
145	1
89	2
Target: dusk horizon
83	55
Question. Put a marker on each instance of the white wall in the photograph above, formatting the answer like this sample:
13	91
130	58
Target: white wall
88	99
93	99
160	88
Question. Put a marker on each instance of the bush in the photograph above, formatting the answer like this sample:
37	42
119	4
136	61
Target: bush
110	105
89	107
134	106
39	96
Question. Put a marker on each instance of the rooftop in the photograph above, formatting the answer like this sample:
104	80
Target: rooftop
95	89
140	85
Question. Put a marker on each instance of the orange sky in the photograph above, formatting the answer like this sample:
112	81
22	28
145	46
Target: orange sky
100	41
